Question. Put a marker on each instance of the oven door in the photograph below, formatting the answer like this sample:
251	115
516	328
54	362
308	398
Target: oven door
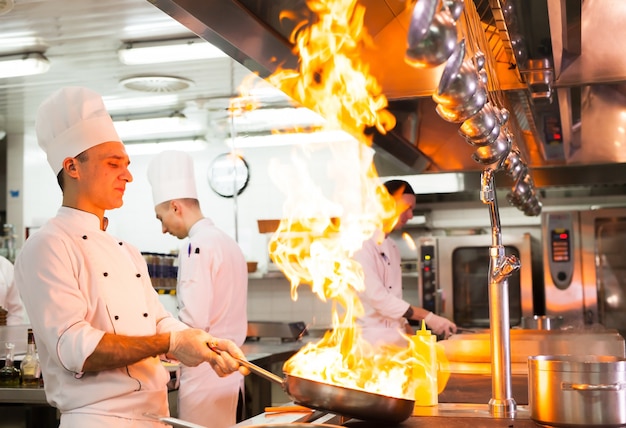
603	240
461	275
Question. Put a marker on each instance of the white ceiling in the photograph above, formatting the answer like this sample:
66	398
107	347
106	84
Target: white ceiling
81	37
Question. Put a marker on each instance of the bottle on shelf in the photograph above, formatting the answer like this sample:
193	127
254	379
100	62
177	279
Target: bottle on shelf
30	368
9	374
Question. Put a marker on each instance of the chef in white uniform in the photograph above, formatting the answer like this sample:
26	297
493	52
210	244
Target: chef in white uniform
211	290
9	296
99	325
386	313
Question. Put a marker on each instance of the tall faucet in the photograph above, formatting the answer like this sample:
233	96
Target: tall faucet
502	404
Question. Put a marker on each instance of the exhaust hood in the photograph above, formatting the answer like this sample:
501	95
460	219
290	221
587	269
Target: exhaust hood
566	102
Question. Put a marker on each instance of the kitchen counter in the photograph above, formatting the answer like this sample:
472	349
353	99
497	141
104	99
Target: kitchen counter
270	354
447	415
265	353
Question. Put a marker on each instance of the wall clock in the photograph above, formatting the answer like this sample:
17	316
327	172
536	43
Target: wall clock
228	175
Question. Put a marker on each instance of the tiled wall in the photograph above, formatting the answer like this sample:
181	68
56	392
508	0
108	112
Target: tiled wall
269	299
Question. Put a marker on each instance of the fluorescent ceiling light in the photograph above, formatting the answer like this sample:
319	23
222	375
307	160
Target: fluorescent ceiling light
25	64
288	139
449	182
114	104
168	51
152	148
158	128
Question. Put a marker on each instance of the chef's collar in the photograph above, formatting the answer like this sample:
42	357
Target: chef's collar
195	226
86	219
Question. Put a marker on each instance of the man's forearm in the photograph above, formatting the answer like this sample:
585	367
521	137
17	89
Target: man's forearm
415	313
114	351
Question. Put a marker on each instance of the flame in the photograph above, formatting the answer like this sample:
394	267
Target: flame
409	240
318	234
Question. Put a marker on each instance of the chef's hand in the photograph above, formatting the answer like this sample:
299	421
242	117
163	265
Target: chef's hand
223	362
189	346
440	325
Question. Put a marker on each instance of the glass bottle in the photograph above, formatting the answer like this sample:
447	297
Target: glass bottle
9	375
29	368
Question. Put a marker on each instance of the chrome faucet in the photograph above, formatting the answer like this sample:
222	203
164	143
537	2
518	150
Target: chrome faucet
502	403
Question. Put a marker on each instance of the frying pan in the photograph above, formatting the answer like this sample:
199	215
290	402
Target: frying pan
338	399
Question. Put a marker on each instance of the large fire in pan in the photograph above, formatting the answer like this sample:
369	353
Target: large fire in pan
318	234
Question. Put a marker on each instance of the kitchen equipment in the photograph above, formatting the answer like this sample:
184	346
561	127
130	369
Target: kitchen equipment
494	151
584	266
292	425
542	322
337	399
459	80
468	109
175	422
583	391
481	126
285	331
453	277
433	47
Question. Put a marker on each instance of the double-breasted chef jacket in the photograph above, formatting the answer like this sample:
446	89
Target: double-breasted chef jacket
212	295
78	283
383	320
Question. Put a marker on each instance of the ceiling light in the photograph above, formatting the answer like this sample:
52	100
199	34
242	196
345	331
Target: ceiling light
158	127
114	104
289	139
154	147
25	64
450	182
134	53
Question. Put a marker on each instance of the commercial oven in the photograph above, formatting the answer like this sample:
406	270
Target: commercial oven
454	277
585	266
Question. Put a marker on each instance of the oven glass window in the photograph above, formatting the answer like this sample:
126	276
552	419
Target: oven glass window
611	272
470	285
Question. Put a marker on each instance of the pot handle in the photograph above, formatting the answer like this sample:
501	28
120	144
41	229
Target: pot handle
588	387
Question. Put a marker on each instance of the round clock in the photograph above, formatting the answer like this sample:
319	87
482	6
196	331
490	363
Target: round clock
228	175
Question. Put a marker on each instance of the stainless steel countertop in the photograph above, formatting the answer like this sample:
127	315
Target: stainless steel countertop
449	415
263	352
23	395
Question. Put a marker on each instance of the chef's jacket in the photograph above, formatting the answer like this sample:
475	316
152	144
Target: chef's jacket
78	282
382	301
9	296
212	295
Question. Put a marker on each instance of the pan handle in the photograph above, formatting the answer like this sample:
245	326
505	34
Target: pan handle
261	371
254	368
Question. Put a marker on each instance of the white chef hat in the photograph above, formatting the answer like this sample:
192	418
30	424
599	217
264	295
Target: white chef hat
171	176
70	121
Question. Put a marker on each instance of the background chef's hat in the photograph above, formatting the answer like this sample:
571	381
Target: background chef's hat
70	121
171	176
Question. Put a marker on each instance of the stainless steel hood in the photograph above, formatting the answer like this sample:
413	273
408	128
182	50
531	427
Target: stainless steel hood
567	139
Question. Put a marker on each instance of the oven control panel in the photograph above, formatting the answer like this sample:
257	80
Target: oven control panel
560	260
428	275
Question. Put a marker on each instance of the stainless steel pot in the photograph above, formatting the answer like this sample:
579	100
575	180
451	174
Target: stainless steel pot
577	391
338	399
542	322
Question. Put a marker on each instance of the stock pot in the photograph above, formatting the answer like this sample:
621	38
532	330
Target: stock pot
577	390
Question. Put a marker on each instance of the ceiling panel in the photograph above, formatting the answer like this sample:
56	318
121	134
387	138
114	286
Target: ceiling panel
81	38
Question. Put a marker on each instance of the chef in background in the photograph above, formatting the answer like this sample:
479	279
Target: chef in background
99	324
386	313
211	289
9	297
